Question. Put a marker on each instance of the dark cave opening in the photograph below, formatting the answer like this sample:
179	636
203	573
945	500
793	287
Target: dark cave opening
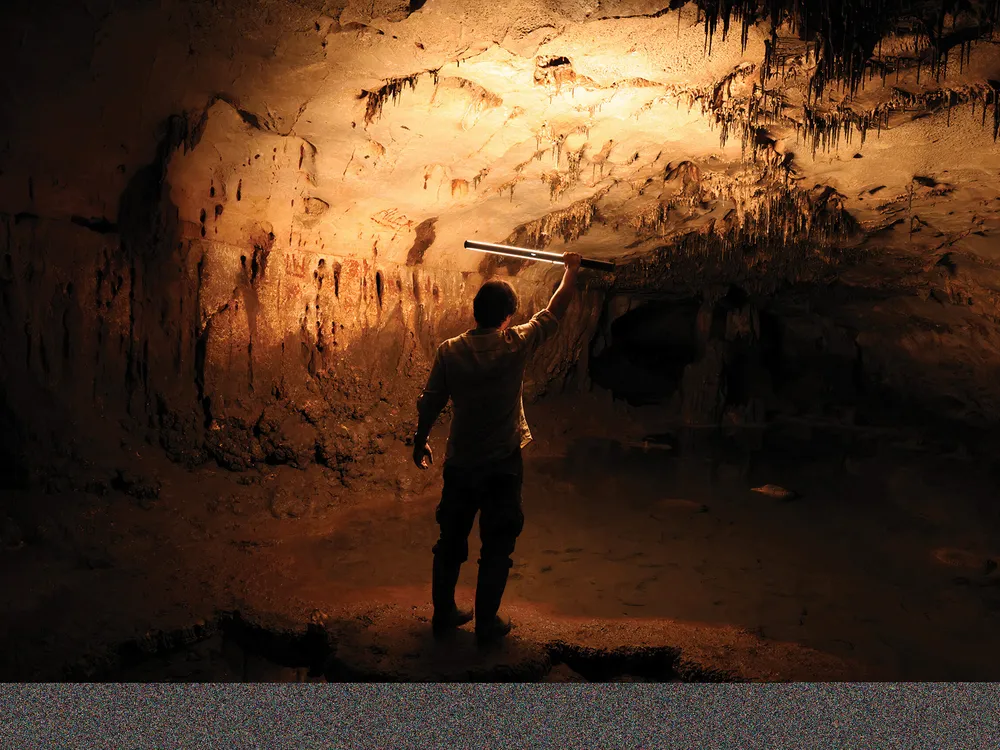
764	355
762	382
648	348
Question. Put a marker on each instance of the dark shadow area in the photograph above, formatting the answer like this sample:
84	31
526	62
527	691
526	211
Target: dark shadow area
233	649
14	474
650	347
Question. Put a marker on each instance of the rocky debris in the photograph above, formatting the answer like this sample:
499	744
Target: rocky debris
340	444
232	444
144	489
181	434
778	493
285	437
139	650
970	560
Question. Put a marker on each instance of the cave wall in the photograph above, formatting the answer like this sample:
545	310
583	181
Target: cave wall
237	225
167	267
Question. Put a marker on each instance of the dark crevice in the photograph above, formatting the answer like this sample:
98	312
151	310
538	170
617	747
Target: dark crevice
553	62
100	225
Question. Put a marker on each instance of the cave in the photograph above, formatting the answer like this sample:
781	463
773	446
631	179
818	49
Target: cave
765	444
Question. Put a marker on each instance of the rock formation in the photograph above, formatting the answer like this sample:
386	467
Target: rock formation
238	225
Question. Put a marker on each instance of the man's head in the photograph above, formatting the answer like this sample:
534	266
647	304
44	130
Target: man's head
495	303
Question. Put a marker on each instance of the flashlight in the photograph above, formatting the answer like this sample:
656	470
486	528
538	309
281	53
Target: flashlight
524	254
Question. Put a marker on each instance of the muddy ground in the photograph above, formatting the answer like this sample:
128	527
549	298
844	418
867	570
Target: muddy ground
639	561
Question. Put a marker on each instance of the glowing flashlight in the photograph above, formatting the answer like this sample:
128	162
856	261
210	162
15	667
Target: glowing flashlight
523	254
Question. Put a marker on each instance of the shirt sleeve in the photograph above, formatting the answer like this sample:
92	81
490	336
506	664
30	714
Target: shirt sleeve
538	330
436	394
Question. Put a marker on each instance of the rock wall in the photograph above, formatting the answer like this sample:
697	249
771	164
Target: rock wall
237	225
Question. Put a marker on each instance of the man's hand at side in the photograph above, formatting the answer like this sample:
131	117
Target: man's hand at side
423	456
433	399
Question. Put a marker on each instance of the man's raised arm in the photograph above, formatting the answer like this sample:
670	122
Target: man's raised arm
559	303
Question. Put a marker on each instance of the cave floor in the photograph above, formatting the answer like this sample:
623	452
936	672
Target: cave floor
880	569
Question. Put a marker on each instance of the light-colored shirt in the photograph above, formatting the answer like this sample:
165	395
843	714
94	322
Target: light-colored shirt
482	372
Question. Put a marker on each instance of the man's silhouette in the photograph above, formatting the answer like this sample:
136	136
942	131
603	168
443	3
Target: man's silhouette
482	372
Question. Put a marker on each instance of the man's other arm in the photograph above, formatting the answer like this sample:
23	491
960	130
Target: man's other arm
429	406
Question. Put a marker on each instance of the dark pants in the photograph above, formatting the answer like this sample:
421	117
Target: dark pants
494	492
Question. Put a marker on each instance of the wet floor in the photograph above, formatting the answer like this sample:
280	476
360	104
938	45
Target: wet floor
884	559
877	561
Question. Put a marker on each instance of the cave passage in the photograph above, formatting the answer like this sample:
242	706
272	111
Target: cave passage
232	240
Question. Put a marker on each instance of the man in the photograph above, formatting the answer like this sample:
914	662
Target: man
482	372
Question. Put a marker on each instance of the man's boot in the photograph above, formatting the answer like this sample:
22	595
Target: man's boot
490	586
447	615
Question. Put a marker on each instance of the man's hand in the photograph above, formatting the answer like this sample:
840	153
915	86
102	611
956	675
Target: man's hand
572	261
423	457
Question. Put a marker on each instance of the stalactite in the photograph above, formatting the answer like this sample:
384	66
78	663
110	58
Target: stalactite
557	185
391	90
480	177
509	186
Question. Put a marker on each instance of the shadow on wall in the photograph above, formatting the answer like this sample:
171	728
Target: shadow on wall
13	472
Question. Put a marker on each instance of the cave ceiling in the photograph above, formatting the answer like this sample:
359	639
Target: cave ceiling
616	128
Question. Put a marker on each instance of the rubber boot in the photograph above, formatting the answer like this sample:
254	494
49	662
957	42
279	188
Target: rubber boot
447	616
489	592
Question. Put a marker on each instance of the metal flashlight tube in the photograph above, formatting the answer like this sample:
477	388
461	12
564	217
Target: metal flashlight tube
524	254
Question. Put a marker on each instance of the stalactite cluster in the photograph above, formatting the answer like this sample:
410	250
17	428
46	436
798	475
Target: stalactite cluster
787	234
764	215
392	90
841	43
557	185
846	34
569	224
